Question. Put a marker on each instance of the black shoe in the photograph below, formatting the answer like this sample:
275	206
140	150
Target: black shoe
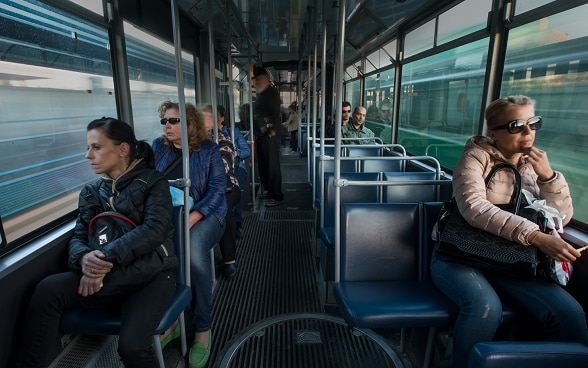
230	271
273	202
264	196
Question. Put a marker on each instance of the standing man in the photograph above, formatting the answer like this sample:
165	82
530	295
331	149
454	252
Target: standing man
267	130
356	129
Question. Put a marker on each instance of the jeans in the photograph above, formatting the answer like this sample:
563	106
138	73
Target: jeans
478	296
203	236
141	312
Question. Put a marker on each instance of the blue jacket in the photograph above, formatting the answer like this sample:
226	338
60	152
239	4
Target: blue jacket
207	174
243	150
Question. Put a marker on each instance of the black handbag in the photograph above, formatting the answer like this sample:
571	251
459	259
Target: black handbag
462	243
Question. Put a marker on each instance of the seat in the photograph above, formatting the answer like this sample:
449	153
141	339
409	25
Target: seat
379	284
409	192
509	354
79	321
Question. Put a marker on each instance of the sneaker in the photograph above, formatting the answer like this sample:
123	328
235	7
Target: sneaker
273	202
199	354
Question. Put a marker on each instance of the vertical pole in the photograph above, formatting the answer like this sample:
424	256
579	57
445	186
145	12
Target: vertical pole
339	89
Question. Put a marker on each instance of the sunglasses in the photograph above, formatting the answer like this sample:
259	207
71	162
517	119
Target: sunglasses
173	121
346	111
518	126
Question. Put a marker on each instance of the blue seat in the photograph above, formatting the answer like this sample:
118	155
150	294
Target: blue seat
329	167
79	321
380	165
360	151
379	284
509	354
349	194
410	192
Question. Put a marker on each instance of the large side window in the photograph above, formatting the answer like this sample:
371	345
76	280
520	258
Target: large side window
56	78
440	99
152	78
548	61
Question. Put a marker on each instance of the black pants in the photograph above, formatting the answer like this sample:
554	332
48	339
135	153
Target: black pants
268	164
141	312
228	242
294	140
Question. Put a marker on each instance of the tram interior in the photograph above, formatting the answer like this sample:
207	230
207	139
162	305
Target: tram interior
288	307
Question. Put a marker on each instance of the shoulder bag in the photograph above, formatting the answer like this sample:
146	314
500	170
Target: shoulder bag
466	244
108	226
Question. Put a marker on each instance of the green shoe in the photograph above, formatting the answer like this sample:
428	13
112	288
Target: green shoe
199	354
173	335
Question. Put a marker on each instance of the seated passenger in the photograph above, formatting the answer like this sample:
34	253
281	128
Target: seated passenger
129	185
356	129
373	113
243	153
207	217
228	242
512	126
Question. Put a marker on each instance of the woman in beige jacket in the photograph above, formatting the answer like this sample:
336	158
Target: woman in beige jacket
512	125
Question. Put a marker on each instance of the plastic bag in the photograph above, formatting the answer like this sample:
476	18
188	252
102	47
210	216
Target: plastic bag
177	195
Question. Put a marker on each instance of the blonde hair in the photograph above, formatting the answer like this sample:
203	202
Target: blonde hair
497	109
197	133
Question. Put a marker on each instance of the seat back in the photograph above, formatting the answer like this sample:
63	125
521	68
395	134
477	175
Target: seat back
360	151
409	192
349	194
380	165
329	167
379	241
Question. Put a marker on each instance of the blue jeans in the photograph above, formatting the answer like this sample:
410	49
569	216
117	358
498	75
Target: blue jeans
203	236
478	296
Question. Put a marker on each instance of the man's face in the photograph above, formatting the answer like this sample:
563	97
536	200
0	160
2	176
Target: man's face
359	116
346	113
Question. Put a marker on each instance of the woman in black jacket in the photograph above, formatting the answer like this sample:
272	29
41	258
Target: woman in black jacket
131	186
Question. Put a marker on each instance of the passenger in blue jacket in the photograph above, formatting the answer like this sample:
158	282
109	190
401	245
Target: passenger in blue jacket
208	184
129	185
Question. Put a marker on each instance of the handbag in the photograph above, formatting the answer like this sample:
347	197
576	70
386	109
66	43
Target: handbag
466	244
106	227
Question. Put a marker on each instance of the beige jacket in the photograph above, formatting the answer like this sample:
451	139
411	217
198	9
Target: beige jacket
476	204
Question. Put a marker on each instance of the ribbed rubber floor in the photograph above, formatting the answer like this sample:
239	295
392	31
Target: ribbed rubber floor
271	314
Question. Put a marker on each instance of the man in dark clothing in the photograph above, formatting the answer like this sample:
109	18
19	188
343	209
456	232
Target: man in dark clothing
267	130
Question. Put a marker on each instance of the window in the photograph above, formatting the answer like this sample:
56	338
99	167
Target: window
547	60
467	17
57	78
440	99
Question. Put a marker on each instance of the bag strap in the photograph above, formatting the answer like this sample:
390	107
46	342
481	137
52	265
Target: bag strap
171	166
515	199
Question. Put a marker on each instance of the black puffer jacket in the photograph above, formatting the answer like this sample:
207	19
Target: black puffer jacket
140	193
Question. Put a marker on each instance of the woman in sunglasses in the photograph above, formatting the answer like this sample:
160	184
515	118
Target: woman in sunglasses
512	125
207	216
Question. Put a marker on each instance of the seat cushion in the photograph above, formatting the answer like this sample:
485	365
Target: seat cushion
509	354
393	304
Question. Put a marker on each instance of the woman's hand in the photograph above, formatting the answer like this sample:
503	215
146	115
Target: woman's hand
538	159
555	247
94	266
90	285
195	216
